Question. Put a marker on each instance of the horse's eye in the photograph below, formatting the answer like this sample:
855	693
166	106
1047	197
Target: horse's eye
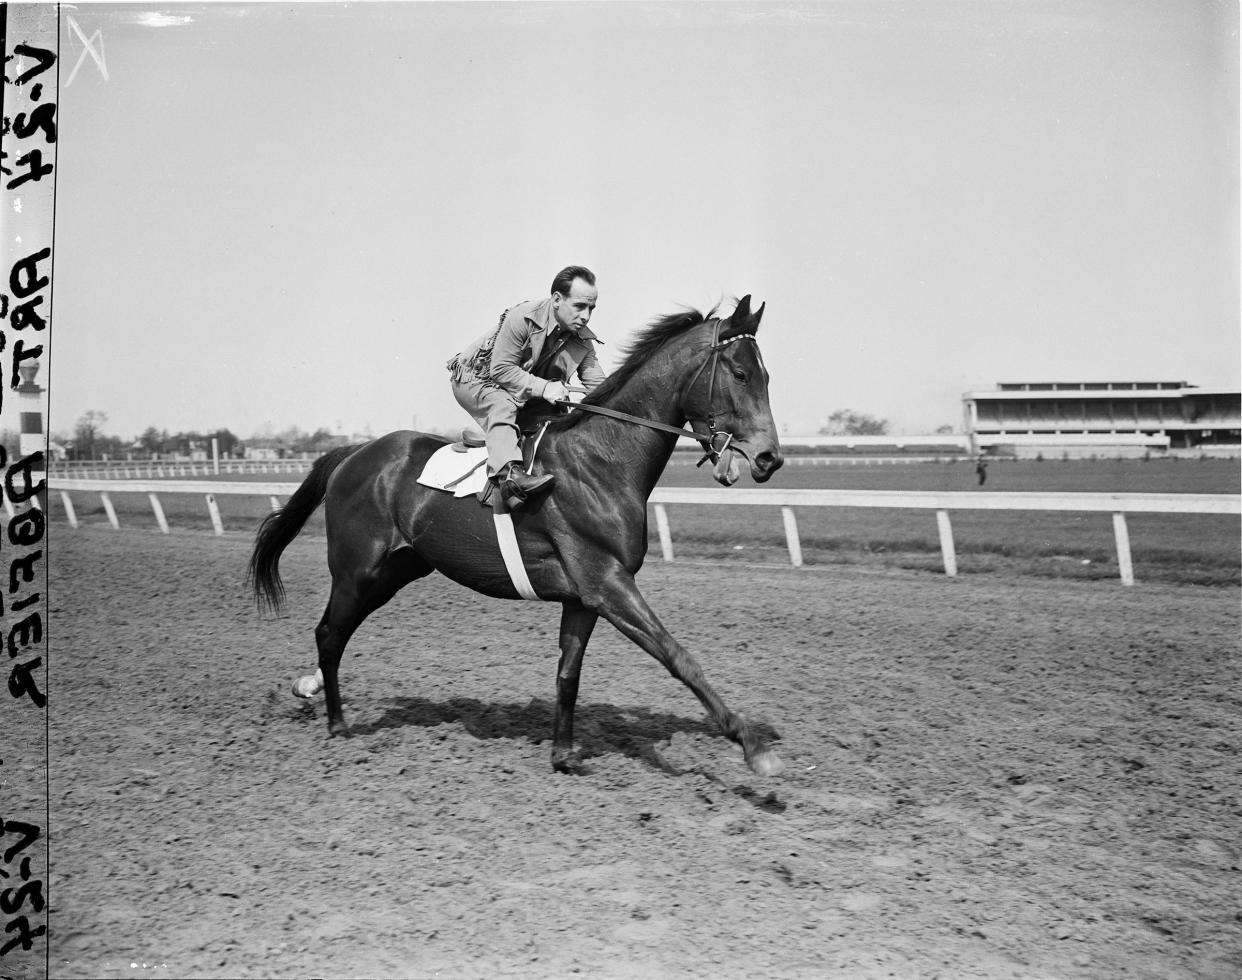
740	375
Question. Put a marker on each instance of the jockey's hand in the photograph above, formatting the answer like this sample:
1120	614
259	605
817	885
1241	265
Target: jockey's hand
555	391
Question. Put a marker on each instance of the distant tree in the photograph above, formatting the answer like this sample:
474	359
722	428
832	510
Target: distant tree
321	440
944	430
87	434
290	437
226	442
847	422
10	439
155	440
113	447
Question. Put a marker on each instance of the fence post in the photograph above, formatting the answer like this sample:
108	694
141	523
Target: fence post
216	523
159	512
110	511
946	542
275	502
1124	563
666	538
69	511
791	536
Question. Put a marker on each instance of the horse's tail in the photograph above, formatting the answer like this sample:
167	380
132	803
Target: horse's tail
281	526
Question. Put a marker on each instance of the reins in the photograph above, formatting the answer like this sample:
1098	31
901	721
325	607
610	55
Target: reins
708	442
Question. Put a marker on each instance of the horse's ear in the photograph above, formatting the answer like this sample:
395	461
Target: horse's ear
743	320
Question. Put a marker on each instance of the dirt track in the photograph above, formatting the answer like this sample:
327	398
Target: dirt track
987	777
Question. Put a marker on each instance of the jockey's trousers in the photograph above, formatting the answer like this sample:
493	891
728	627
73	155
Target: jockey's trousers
496	412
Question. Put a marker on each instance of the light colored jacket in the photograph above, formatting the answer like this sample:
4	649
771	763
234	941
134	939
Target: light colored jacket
505	355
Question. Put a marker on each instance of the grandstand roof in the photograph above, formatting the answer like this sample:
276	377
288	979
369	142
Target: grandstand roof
1091	385
1090	390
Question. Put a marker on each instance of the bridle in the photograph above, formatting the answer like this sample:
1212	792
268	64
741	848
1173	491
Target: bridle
713	452
714	441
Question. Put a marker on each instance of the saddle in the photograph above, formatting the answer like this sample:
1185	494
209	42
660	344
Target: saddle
470	439
460	467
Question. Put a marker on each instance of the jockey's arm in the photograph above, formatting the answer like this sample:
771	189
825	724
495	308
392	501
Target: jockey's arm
589	372
512	343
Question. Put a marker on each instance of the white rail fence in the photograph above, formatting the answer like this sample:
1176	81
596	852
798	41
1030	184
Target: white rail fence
1117	504
174	469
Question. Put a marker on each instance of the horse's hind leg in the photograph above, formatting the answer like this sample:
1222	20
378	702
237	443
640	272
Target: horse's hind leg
355	595
342	616
576	626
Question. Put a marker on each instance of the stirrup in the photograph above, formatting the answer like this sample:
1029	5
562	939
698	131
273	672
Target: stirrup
511	495
515	485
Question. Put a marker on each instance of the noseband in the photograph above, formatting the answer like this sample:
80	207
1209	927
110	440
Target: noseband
709	439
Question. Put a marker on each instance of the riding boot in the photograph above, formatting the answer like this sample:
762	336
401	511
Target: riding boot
516	485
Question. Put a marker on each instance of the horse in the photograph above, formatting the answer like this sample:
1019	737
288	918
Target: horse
581	543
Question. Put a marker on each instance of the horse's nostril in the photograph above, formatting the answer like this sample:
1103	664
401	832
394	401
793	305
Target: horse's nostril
768	461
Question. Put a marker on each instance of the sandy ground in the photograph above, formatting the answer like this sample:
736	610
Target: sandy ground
987	777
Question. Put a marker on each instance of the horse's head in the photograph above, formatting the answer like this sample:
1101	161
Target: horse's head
728	400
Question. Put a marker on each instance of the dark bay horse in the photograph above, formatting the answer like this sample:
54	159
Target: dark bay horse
581	544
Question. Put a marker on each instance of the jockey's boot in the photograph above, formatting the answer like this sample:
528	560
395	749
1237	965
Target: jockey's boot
516	485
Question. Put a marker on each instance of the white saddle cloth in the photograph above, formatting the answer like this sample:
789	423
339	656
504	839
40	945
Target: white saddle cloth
447	465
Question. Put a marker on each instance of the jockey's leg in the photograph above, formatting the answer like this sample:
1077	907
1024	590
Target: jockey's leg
496	413
500	429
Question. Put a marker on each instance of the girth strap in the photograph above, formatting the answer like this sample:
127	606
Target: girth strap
512	555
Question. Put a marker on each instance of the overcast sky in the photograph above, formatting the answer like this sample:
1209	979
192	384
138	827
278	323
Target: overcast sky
286	215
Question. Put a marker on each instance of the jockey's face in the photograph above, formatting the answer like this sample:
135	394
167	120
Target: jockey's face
574	311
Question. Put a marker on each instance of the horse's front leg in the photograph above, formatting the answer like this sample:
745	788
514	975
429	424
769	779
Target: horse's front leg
615	596
576	626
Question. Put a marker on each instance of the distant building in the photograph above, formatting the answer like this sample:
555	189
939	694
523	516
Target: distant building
263	449
1103	418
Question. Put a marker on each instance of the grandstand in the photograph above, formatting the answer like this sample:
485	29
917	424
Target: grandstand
1103	418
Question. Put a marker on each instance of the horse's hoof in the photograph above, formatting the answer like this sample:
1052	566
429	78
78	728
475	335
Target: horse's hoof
309	685
338	730
765	762
570	765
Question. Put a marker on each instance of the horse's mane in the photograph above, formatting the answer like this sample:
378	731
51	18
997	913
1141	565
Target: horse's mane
640	350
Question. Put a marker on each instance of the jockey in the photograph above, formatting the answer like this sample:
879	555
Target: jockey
531	353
